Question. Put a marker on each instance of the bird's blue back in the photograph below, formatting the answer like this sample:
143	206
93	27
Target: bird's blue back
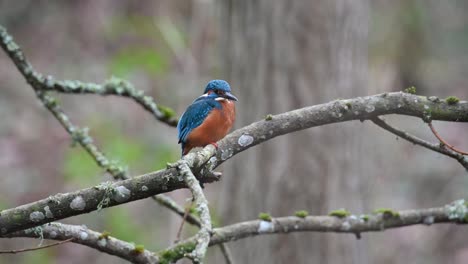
194	116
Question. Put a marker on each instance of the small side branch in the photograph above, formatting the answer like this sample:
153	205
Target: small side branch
167	202
114	86
226	253
378	221
445	142
16	251
411	138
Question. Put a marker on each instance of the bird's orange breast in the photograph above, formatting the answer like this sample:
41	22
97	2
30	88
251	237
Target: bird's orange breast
216	125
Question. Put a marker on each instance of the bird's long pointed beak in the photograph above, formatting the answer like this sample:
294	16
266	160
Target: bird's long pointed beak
230	96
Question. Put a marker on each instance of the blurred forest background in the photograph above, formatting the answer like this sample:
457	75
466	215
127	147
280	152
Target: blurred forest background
278	55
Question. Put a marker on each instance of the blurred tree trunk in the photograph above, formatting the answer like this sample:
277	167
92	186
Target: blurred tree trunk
282	55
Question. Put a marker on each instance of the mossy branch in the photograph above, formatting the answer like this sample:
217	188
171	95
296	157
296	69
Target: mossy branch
378	221
113	86
455	213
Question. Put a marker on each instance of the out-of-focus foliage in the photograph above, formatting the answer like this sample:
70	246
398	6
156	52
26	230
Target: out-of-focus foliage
132	59
122	223
80	168
39	256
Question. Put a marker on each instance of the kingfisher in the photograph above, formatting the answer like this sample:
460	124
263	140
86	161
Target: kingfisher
209	118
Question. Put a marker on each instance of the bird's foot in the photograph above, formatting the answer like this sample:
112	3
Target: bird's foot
215	145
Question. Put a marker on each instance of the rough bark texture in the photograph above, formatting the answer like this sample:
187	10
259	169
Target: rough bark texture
296	53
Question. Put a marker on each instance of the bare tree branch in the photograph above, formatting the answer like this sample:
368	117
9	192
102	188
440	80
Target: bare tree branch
360	108
380	220
455	212
411	138
84	236
167	202
114	86
203	235
107	194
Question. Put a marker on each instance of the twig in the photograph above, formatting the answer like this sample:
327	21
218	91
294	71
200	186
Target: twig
226	253
118	87
167	202
443	141
181	227
411	138
15	251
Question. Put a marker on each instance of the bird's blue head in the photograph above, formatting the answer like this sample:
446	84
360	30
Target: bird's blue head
219	89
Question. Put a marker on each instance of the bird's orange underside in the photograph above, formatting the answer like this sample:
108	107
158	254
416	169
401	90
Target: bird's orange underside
216	125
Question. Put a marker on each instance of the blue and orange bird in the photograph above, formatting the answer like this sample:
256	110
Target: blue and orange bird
209	118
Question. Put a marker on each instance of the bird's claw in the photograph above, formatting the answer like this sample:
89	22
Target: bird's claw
215	145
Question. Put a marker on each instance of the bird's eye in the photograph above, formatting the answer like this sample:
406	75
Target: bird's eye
218	92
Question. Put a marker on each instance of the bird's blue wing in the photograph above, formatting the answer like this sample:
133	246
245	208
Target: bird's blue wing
193	117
